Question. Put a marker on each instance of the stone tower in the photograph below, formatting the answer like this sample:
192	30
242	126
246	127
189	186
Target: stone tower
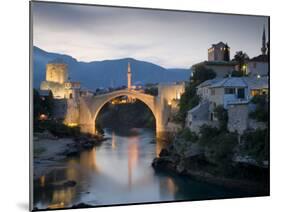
129	76
56	72
263	48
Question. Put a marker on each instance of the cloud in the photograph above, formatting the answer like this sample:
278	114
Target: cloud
171	39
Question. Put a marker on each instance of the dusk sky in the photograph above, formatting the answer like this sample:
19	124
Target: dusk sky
167	38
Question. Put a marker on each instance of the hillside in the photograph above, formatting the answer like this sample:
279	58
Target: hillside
106	73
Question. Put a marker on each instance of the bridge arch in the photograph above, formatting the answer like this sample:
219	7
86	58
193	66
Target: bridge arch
99	101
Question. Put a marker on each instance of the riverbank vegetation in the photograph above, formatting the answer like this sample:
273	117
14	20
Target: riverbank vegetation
135	114
189	98
44	120
216	155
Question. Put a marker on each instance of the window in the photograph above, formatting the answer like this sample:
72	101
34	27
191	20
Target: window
255	92
241	93
229	91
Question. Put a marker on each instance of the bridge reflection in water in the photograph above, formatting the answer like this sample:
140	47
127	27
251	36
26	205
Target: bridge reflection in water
119	171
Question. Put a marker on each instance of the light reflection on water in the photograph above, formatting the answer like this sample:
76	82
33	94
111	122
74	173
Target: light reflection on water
119	171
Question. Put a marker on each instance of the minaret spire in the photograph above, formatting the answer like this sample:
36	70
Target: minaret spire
129	76
263	48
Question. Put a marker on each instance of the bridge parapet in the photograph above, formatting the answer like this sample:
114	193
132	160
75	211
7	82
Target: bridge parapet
90	106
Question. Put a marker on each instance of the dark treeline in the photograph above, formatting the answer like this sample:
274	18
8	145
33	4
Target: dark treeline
129	115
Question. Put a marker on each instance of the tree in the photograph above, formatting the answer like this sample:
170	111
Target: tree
36	104
152	91
241	57
188	100
49	104
237	73
222	116
226	56
42	105
261	112
256	144
201	74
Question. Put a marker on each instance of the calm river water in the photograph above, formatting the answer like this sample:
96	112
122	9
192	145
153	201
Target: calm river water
119	172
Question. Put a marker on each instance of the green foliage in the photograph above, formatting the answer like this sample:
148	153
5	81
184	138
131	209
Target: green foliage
219	144
237	74
241	57
226	55
222	116
187	135
207	133
261	112
135	114
37	108
56	128
152	91
49	104
223	147
256	144
42	105
201	74
188	100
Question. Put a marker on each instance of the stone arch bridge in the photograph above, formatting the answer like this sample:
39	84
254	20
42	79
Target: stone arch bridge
161	106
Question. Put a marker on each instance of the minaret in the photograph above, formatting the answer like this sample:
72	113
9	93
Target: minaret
129	76
263	48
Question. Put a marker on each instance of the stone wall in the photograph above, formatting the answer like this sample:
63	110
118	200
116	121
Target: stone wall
171	92
60	108
199	116
238	118
217	96
72	115
56	72
56	88
221	70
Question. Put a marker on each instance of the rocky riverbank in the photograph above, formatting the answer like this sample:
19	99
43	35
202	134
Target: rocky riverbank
50	150
190	159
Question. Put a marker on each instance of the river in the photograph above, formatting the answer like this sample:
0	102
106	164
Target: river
119	172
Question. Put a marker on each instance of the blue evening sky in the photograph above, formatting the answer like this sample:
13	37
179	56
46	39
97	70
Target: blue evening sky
168	38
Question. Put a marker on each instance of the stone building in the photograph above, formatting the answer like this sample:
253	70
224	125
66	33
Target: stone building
234	94
259	65
232	89
238	118
218	60
221	68
56	72
219	52
57	82
171	93
200	115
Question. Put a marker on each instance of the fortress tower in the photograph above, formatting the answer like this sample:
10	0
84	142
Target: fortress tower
129	77
57	82
56	72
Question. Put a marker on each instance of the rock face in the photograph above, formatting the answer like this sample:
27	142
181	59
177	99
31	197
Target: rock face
189	158
174	156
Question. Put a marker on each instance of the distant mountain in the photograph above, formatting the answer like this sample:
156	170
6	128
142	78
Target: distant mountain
105	73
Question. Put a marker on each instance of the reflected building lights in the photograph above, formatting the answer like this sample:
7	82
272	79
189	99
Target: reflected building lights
42	181
113	141
61	198
133	157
